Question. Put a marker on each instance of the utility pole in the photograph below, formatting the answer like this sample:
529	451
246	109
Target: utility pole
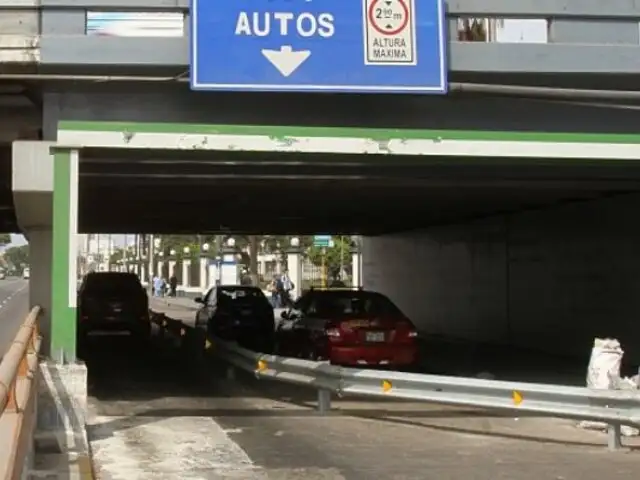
253	259
150	249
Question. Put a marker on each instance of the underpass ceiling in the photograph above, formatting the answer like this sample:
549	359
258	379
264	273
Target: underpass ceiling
339	195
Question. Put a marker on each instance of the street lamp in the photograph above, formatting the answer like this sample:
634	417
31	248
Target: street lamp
172	252
156	243
231	242
206	247
295	242
186	250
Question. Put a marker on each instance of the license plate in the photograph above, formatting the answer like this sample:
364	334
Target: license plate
375	337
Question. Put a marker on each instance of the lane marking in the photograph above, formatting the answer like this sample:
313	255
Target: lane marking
6	299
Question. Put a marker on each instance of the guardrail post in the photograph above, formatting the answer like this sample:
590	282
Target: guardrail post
614	434
324	401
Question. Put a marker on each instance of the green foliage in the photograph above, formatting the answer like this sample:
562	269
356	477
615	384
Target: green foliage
339	254
17	256
5	239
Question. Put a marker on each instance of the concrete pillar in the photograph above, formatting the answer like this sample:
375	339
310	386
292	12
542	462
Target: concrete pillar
143	273
294	265
356	268
203	273
159	268
213	274
32	185
229	269
172	268
186	273
40	252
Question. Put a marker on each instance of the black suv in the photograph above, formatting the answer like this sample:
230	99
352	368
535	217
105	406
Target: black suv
238	313
112	302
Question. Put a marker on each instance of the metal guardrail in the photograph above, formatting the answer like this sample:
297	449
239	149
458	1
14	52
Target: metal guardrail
615	408
18	393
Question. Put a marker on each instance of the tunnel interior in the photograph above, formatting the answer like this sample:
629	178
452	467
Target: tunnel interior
283	193
446	241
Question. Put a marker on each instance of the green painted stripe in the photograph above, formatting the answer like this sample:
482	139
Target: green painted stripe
63	318
373	133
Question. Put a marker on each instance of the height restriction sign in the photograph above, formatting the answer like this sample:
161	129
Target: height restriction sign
389	32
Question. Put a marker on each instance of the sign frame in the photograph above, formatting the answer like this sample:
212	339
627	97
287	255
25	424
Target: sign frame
242	72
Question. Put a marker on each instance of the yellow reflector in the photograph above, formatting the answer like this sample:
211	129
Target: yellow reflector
208	344
517	397
386	386
262	365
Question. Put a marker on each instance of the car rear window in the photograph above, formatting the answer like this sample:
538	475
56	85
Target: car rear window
354	303
112	282
241	296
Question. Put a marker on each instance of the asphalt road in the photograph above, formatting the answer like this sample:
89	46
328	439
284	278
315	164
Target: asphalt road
156	414
14	305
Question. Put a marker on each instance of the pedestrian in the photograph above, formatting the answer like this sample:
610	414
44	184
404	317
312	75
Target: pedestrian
158	286
173	285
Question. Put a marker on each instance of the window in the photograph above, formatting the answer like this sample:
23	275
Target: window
210	298
112	282
354	303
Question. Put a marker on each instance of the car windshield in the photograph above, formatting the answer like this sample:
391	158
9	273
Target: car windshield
355	303
111	282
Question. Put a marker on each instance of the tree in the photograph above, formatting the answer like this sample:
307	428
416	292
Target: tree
5	239
335	256
17	256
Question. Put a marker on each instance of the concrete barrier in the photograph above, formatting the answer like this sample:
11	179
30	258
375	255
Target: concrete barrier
61	443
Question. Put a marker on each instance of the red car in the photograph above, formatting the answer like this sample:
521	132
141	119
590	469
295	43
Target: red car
348	328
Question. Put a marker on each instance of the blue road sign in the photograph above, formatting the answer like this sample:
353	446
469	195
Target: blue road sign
385	46
322	240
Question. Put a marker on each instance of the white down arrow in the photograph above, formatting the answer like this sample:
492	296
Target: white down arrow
286	60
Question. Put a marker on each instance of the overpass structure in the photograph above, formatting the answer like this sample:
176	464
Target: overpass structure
518	187
501	212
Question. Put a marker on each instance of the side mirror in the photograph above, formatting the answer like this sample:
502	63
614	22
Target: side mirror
284	315
198	300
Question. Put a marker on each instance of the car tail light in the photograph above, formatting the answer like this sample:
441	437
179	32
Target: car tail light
334	332
406	330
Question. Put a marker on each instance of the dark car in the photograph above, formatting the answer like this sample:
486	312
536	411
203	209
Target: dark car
349	328
113	302
239	313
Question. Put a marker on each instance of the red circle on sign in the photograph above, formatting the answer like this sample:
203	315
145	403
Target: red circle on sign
402	26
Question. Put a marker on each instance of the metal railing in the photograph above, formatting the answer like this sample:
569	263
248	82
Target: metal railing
612	407
582	36
18	393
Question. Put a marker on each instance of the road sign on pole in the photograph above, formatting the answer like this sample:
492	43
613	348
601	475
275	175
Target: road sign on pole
322	241
384	46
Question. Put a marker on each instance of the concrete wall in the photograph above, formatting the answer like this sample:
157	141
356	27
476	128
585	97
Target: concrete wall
550	279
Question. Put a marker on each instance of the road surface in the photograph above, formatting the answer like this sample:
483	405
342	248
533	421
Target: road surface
155	415
14	305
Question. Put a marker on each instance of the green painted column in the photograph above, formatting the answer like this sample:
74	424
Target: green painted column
64	258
